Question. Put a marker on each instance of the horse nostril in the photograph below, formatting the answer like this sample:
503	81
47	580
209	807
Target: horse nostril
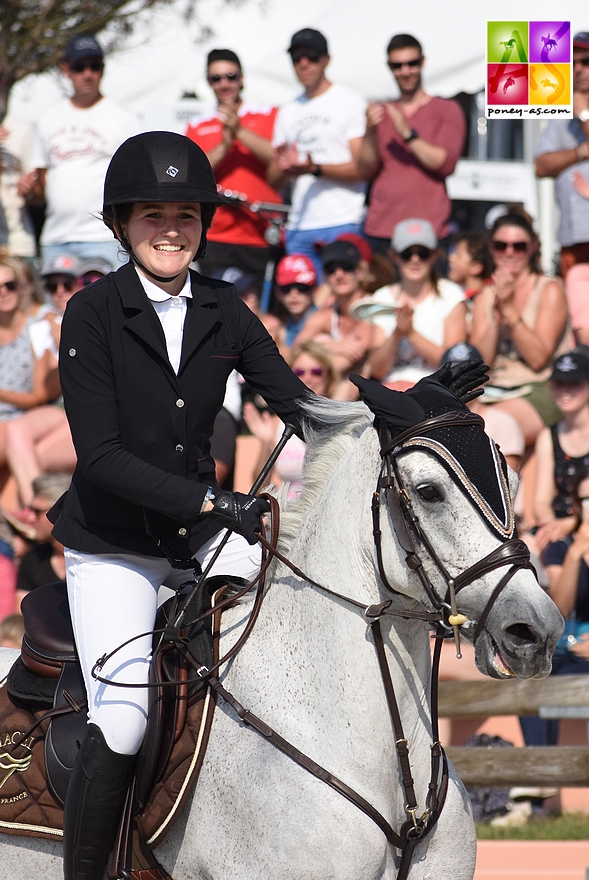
520	635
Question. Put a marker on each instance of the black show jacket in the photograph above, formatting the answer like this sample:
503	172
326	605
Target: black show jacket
141	432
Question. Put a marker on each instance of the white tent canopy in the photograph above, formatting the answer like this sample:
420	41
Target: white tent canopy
163	59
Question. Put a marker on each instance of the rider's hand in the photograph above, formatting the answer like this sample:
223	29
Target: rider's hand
464	379
240	513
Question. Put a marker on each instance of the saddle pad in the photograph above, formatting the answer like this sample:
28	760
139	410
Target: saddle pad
26	805
171	792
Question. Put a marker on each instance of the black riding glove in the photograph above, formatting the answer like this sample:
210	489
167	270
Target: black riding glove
240	513
464	379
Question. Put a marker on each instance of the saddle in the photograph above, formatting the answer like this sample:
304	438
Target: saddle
48	673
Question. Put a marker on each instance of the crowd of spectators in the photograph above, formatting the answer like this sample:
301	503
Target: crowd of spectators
371	277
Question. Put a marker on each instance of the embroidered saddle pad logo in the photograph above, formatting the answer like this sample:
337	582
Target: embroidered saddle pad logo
8	763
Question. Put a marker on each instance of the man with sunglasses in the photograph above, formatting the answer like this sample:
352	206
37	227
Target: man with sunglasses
73	144
317	139
562	148
236	136
411	145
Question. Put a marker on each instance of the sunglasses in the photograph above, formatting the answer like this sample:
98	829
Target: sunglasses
519	247
285	289
583	61
314	371
299	54
333	267
68	286
397	65
9	285
81	66
232	76
416	250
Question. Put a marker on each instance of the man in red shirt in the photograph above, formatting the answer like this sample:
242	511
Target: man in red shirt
236	136
411	145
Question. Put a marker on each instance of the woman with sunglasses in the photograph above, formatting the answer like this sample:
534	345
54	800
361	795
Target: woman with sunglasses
40	441
519	325
144	359
23	375
426	314
314	366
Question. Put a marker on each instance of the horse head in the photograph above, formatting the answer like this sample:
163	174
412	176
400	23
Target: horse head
449	503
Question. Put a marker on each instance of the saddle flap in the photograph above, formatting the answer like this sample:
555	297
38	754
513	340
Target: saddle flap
48	625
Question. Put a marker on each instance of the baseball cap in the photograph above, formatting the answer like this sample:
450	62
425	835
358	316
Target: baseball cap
581	40
82	46
62	264
570	367
239	279
309	39
343	252
296	269
360	242
460	352
414	231
96	264
223	55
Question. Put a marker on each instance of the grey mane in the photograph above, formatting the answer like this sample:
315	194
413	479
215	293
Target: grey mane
331	429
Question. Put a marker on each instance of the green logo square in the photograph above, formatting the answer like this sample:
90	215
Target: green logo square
507	42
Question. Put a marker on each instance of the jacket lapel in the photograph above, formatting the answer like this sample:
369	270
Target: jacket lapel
141	319
201	316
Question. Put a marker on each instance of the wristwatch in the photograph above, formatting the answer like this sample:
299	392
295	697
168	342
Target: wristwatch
318	171
210	496
411	136
583	116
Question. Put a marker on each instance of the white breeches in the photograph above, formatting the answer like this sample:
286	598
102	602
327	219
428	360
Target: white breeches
114	597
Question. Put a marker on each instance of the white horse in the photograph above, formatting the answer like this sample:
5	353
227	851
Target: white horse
309	670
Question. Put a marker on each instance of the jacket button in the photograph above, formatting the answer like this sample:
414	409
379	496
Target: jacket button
182	532
180	403
179	448
72	352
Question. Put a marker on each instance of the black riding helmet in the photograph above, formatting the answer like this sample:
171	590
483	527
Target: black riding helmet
159	166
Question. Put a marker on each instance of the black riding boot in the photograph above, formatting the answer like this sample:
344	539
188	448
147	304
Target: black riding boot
93	806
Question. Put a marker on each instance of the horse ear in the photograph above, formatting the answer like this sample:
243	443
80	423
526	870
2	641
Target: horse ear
398	410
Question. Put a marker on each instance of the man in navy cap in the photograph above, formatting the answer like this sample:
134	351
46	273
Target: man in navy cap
563	153
73	144
317	140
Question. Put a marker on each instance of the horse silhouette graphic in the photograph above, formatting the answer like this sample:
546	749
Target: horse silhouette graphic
13	765
549	85
549	42
508	82
509	44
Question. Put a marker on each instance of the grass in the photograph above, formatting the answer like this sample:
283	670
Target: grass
569	826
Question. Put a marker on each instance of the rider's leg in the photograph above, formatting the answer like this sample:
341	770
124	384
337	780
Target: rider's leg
112	598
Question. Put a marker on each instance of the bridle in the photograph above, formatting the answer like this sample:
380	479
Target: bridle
512	552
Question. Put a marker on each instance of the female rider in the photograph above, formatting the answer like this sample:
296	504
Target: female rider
145	354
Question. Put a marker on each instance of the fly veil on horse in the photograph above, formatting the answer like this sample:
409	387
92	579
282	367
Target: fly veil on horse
310	669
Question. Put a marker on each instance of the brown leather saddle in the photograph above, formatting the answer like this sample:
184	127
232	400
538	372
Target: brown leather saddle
49	663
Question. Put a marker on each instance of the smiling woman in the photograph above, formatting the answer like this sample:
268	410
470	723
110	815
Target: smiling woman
145	357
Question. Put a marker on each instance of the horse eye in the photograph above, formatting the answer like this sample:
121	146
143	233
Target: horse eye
429	493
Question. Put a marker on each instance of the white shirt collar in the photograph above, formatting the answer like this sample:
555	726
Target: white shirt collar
156	294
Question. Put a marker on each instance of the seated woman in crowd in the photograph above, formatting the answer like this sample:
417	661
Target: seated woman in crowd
567	567
519	325
313	365
40	440
23	374
348	340
562	450
426	316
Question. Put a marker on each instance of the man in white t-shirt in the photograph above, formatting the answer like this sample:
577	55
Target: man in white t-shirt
15	160
317	139
74	142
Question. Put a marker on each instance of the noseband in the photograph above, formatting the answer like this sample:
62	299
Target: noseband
512	552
